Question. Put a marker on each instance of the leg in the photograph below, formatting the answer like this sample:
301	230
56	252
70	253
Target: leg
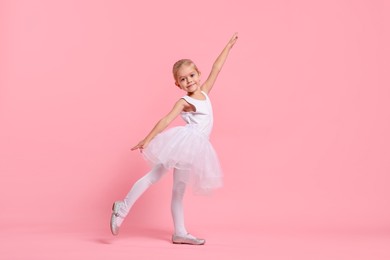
141	186
181	235
177	210
122	208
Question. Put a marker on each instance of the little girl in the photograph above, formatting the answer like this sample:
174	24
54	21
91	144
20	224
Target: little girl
186	149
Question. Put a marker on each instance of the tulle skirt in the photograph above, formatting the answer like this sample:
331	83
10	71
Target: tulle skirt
189	150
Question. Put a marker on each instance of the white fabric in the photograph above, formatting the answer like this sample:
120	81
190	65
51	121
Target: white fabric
188	148
141	186
177	210
148	180
202	117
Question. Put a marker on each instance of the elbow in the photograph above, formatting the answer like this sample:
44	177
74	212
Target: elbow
217	67
163	123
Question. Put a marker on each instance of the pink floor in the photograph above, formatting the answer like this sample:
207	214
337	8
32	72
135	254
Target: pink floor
40	242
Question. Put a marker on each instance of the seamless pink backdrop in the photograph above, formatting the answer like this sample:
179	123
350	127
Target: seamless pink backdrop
302	110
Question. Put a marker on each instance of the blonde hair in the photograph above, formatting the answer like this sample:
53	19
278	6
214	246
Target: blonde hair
180	63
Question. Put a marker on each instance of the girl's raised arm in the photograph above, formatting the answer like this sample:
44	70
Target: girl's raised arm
218	64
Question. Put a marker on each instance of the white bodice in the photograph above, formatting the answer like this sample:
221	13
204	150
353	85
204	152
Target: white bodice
202	117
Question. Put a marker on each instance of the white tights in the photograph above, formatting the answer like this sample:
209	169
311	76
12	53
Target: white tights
148	180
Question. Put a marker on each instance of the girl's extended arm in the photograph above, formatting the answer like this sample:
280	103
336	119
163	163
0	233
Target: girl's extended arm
162	124
218	64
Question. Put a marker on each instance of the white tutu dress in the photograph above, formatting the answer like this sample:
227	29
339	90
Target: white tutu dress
188	149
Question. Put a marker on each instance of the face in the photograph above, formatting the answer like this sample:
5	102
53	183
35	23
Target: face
188	78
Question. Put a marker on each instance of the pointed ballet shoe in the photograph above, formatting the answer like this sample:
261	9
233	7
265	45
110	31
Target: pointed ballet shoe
187	240
114	217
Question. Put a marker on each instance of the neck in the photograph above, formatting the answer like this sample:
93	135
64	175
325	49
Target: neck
197	92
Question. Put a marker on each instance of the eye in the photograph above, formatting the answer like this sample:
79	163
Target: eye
181	79
192	75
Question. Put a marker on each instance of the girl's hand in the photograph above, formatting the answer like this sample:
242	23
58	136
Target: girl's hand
233	40
141	145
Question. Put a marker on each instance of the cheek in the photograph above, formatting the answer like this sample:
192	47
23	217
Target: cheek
177	83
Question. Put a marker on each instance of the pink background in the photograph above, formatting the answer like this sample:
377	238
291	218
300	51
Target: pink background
302	116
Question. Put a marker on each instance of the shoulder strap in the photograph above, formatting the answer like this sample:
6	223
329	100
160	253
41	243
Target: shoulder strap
204	93
190	101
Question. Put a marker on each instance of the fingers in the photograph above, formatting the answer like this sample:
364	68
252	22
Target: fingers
138	146
141	145
234	38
